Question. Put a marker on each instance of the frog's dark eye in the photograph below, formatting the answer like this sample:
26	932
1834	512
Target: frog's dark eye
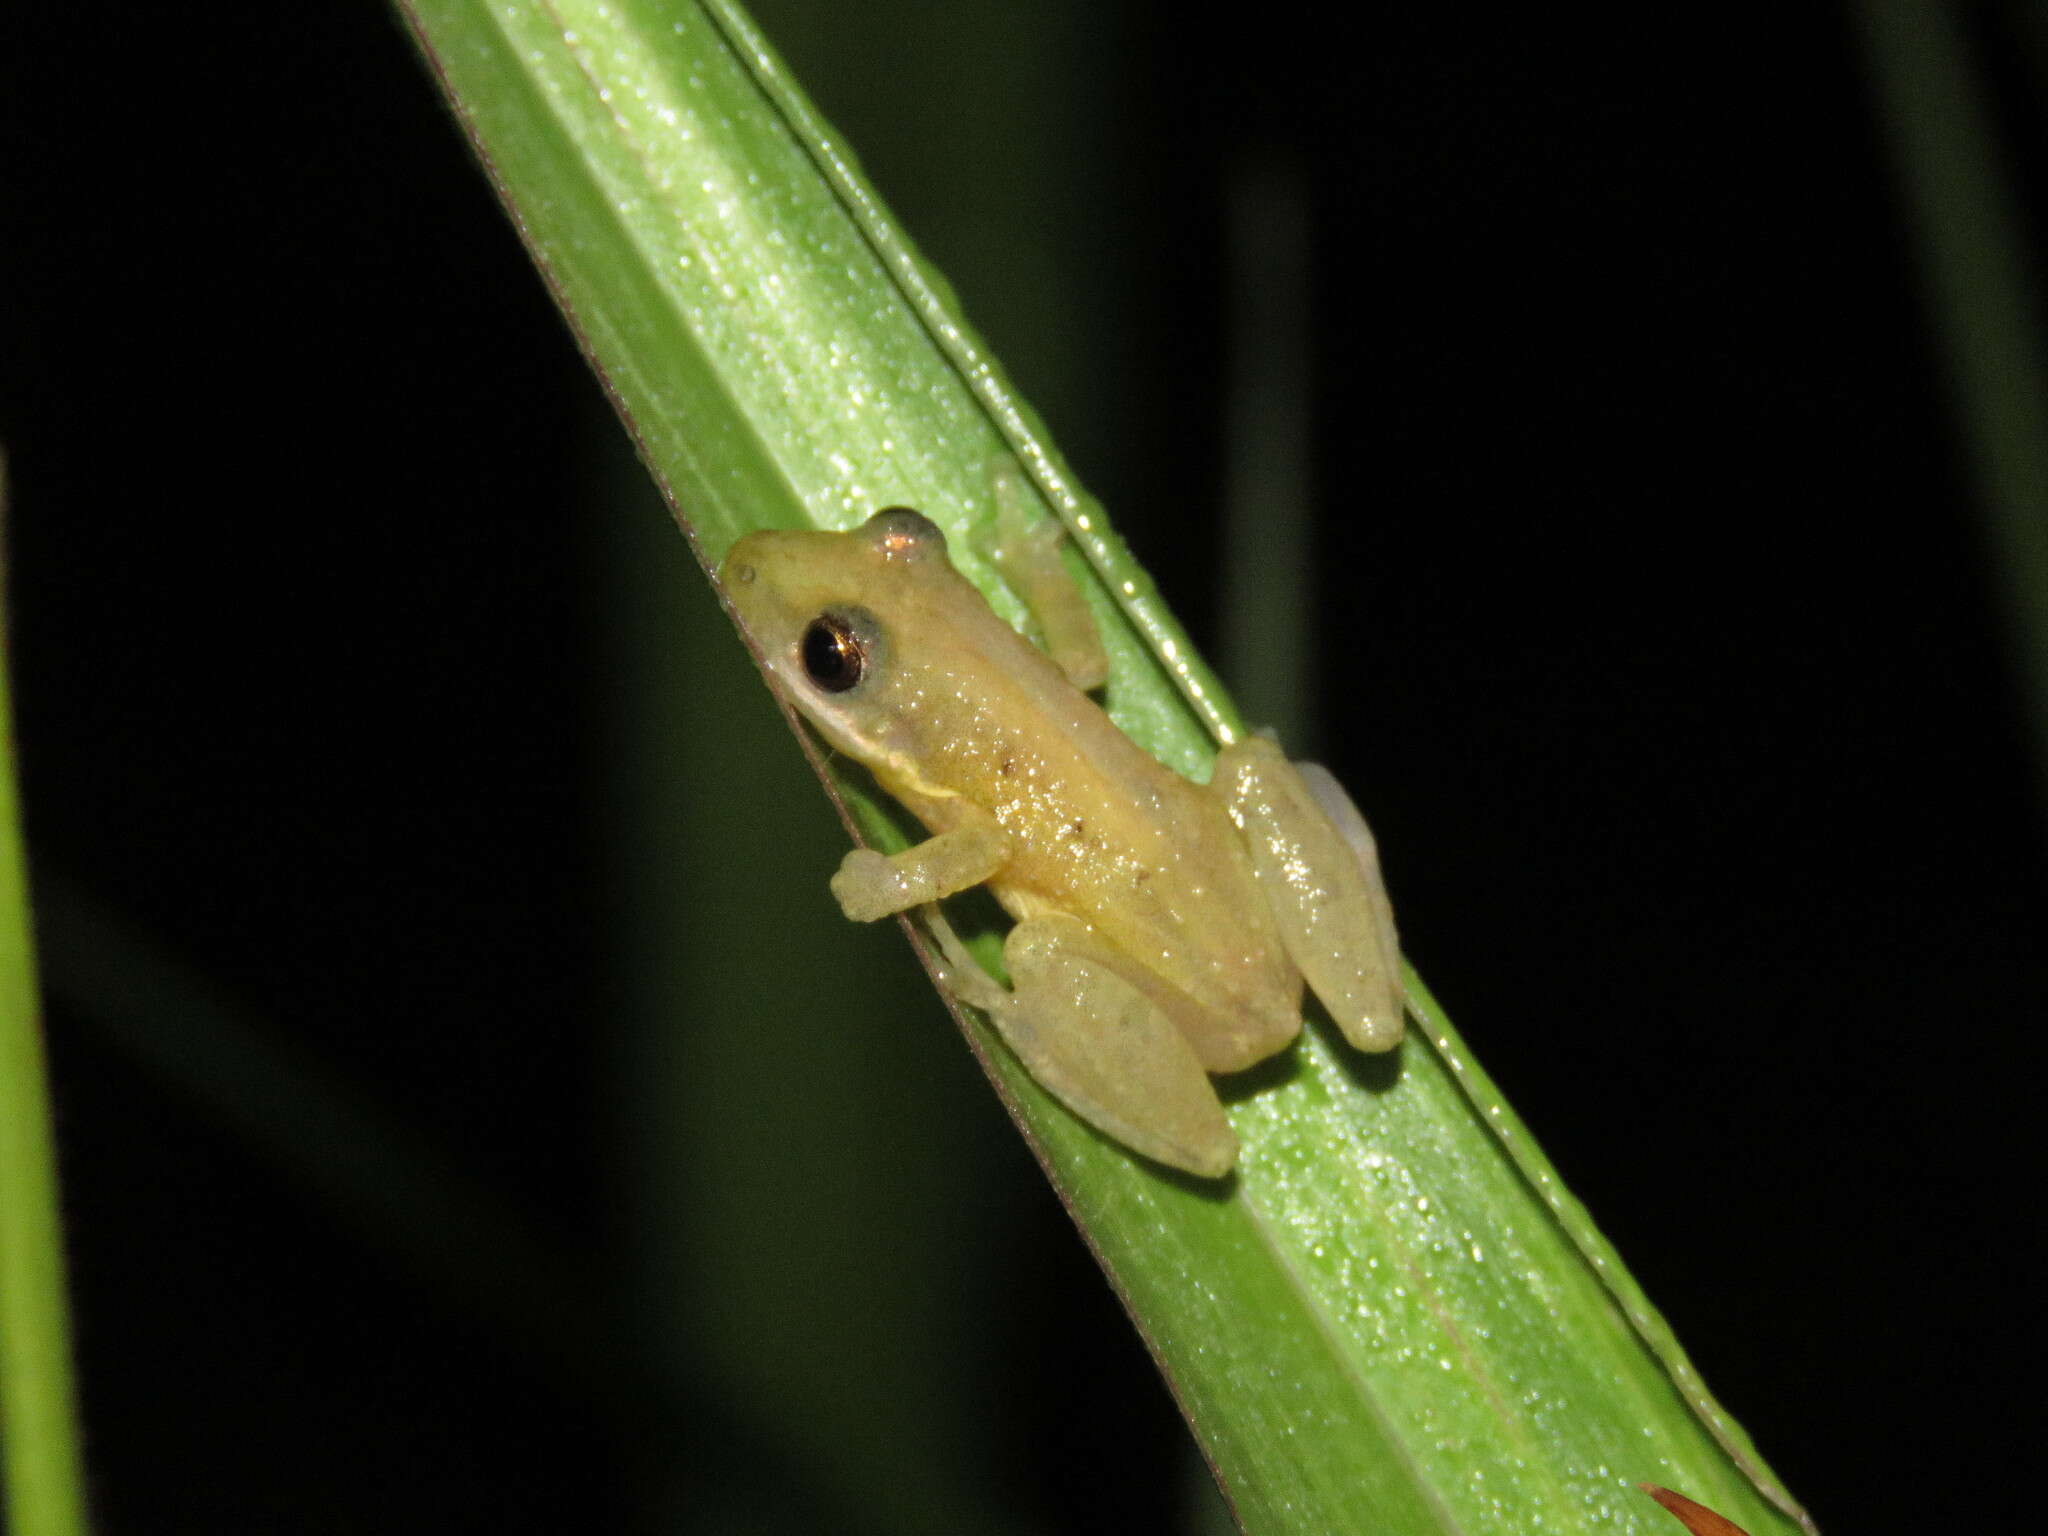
834	653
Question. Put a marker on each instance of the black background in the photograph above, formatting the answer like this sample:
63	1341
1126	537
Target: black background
1657	629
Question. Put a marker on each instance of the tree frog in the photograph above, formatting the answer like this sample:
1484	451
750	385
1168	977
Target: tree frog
1163	927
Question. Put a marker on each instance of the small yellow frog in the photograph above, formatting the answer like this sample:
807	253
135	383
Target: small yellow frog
1164	928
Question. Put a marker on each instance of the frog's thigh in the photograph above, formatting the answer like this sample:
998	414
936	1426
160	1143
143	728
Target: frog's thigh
1106	1051
871	885
1323	889
1345	816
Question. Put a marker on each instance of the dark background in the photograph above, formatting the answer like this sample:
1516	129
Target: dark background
1659	629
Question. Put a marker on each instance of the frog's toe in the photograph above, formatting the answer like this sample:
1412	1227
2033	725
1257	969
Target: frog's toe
868	886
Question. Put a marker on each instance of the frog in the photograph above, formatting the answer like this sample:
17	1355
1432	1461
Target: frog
1164	929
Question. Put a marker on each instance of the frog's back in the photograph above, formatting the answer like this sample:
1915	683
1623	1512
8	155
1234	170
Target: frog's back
961	719
1100	829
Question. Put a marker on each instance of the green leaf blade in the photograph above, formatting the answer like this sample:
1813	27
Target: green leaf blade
1392	1318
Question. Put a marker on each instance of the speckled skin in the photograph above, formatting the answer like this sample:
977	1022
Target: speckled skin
1030	788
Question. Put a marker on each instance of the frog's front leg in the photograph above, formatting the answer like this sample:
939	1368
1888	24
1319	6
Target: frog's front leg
1322	883
872	885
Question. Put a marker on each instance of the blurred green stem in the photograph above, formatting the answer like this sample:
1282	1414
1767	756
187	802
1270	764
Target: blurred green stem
1981	298
43	1492
1269	556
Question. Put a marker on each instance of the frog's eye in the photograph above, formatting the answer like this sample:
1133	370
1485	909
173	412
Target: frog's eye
834	652
901	534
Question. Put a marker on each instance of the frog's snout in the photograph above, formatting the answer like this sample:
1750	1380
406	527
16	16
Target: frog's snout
739	567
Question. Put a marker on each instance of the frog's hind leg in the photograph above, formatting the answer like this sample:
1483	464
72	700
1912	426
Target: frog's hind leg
1096	1042
1027	551
1349	820
1319	868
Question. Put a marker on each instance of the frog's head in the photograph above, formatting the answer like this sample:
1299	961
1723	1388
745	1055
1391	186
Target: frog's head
838	616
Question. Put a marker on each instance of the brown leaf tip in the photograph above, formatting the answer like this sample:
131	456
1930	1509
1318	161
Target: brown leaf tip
1697	1518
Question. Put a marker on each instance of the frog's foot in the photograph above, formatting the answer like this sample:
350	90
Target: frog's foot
871	885
1317	863
1096	1042
1027	552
